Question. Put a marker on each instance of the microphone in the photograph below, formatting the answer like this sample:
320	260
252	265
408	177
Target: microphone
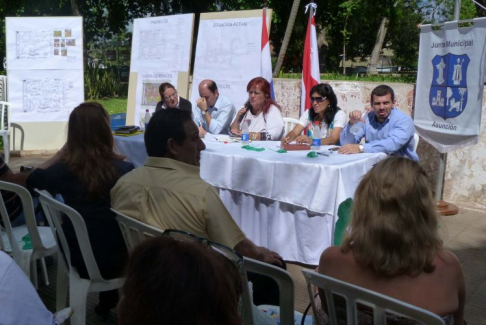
247	106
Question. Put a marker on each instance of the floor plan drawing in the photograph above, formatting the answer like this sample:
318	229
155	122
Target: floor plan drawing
46	95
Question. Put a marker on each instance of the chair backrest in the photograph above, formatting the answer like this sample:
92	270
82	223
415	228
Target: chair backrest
285	286
416	139
54	210
3	88
135	231
4	116
28	209
289	124
354	295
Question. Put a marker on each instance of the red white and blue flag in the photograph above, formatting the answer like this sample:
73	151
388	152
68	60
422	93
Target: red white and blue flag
310	67
266	61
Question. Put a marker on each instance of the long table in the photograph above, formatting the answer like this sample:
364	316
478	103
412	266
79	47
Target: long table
284	201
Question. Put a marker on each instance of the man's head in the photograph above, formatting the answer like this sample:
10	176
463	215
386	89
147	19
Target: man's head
382	100
168	94
209	91
171	133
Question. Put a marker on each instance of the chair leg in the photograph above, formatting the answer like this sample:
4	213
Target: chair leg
78	295
33	274
44	270
6	147
62	284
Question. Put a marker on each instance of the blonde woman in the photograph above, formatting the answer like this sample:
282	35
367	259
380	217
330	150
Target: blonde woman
393	246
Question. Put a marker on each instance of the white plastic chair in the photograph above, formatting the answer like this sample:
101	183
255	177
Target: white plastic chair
78	287
43	242
285	286
354	295
416	139
289	124
135	231
5	128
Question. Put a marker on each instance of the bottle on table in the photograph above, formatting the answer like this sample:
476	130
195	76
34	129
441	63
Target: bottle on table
316	137
147	118
245	133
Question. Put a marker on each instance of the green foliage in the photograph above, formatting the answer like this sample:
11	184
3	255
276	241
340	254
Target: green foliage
114	105
101	83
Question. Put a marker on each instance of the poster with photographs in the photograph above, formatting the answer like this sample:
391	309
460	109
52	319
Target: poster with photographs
44	43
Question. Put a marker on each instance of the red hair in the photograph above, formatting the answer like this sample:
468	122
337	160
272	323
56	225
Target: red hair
264	86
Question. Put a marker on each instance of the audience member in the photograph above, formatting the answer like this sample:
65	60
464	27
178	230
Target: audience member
393	247
263	113
175	282
84	173
325	110
168	192
385	129
170	99
213	112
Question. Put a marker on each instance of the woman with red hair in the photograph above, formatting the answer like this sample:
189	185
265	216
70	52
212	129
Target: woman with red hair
262	112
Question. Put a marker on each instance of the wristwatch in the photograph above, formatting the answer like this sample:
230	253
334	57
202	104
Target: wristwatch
205	112
361	148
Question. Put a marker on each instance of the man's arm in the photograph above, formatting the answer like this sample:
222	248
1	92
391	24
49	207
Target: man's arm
223	117
247	248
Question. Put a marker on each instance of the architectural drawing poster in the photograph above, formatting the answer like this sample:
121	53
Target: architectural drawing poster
44	95
44	43
162	43
228	51
449	93
147	93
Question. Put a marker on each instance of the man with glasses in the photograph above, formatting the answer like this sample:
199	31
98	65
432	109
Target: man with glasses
213	112
170	99
168	192
385	128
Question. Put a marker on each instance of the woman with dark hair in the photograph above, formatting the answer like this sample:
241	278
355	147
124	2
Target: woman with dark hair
325	110
84	172
262	112
393	247
175	282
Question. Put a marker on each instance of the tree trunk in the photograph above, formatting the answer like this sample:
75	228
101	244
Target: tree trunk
286	40
75	8
380	38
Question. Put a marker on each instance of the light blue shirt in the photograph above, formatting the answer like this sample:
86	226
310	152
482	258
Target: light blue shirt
393	137
221	114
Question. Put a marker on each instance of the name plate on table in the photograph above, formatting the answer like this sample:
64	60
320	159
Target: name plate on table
295	146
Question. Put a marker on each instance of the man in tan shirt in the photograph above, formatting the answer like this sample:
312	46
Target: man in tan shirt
168	192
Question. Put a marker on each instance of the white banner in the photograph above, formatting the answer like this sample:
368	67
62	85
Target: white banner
44	43
148	95
228	51
449	92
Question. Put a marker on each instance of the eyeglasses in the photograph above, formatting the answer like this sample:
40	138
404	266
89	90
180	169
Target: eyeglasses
221	249
317	99
171	96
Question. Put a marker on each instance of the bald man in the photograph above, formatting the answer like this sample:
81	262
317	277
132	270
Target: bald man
213	112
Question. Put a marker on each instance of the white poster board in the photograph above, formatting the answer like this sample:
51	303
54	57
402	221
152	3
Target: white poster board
228	51
161	52
449	93
44	68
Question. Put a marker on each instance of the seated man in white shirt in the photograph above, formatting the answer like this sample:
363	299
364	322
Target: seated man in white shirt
213	112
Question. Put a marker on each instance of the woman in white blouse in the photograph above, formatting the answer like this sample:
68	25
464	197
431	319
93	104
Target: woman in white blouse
325	110
262	112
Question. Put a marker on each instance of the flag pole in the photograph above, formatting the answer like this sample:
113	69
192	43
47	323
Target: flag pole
443	207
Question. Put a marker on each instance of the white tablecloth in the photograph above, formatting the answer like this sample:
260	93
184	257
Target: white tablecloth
284	201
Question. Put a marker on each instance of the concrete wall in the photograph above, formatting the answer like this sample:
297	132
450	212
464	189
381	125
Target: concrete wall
465	179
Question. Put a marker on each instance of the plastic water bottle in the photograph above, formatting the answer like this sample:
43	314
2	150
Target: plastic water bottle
147	118
245	133
357	126
316	137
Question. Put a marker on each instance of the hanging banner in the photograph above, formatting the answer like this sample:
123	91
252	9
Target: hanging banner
449	93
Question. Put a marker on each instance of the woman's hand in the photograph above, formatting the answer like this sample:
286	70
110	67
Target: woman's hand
286	140
236	132
241	111
303	139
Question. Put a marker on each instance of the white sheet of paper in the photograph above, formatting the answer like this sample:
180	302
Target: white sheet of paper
44	95
162	43
44	43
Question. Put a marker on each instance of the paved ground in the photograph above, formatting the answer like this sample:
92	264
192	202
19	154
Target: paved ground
464	234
